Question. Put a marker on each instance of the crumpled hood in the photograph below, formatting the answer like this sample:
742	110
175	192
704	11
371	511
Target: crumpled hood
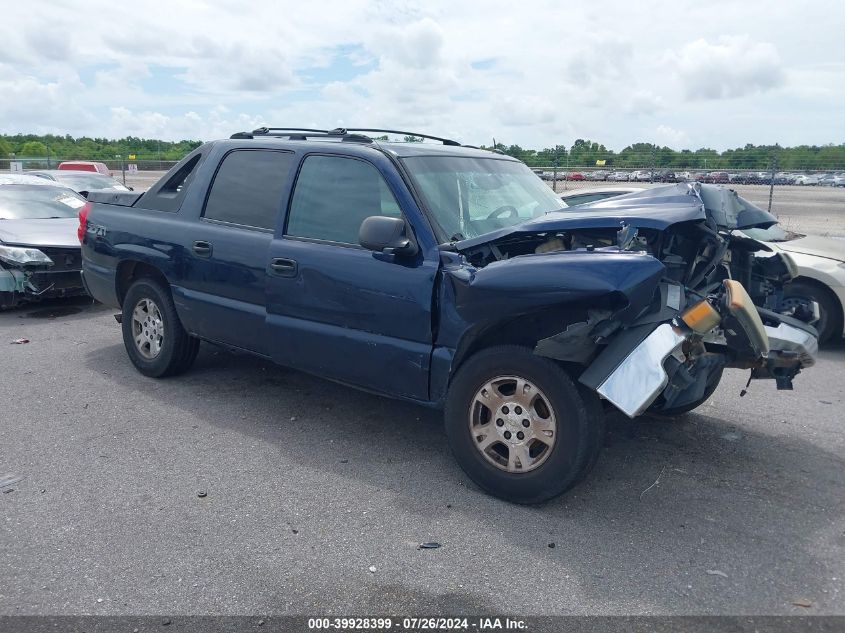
829	247
655	208
40	232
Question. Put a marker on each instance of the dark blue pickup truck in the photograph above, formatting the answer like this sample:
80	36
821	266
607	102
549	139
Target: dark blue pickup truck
449	276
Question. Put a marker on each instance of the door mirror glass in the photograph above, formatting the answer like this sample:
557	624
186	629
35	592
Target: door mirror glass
386	234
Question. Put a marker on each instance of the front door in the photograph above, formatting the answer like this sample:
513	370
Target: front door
336	309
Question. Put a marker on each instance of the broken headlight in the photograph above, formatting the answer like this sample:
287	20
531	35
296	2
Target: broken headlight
23	256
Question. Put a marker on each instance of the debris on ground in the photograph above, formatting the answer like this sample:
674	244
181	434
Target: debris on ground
20	341
202	493
716	572
802	602
372	569
431	545
8	480
656	482
552	545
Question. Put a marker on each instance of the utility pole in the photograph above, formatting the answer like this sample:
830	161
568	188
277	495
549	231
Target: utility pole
122	167
653	160
774	165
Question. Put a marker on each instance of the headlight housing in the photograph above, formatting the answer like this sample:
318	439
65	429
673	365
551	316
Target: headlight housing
23	256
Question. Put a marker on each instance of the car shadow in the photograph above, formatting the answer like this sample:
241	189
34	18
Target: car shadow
688	501
49	309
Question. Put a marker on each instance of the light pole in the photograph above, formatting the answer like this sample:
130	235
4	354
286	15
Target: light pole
122	167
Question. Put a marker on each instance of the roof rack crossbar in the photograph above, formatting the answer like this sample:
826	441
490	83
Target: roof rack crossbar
445	141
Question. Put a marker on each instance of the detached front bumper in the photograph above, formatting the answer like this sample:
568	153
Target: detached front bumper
638	366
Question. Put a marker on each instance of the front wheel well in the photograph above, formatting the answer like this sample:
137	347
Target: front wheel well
129	271
524	332
831	296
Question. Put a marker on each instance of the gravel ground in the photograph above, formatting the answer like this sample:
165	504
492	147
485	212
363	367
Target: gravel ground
736	509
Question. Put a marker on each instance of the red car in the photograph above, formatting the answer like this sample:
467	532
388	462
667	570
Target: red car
575	176
85	165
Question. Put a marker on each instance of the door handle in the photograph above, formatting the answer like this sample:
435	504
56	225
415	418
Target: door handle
202	248
283	267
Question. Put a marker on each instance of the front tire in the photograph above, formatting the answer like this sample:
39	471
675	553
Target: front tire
154	338
519	427
709	390
829	322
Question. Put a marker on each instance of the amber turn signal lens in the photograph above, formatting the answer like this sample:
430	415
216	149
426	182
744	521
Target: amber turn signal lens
701	317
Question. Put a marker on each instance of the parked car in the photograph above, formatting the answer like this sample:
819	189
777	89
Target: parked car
820	275
640	176
449	276
583	196
39	249
85	165
717	177
807	180
618	176
576	176
81	181
832	180
597	175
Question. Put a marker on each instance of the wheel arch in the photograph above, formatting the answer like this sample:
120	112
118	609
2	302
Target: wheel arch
129	271
830	294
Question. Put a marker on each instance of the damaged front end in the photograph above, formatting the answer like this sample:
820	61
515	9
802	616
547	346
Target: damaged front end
669	365
661	343
29	273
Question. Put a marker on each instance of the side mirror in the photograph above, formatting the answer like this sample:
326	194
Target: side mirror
387	235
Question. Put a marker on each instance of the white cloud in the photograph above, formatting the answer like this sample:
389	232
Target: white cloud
734	66
669	136
559	71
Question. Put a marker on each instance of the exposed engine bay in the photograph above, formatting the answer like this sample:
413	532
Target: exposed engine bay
717	304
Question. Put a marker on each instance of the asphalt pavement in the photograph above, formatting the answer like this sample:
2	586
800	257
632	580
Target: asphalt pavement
242	487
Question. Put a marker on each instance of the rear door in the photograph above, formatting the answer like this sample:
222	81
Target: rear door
339	310
227	250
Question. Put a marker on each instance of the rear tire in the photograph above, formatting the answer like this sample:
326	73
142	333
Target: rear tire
559	444
154	338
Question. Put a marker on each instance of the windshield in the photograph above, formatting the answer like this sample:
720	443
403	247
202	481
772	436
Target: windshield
24	202
772	234
468	197
88	182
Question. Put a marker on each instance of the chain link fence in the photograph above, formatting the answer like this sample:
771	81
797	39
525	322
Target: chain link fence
777	191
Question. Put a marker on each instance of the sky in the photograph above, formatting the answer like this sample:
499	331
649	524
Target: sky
537	74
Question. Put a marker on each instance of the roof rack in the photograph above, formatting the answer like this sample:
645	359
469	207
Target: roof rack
445	141
344	134
303	133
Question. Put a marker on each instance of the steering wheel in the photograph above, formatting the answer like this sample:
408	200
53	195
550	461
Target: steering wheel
500	212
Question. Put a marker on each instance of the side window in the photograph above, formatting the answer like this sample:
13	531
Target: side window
334	195
248	187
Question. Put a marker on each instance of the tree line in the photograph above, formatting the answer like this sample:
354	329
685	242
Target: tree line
582	153
87	148
586	153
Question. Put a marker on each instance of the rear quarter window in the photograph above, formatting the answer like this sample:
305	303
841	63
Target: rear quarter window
169	192
248	187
